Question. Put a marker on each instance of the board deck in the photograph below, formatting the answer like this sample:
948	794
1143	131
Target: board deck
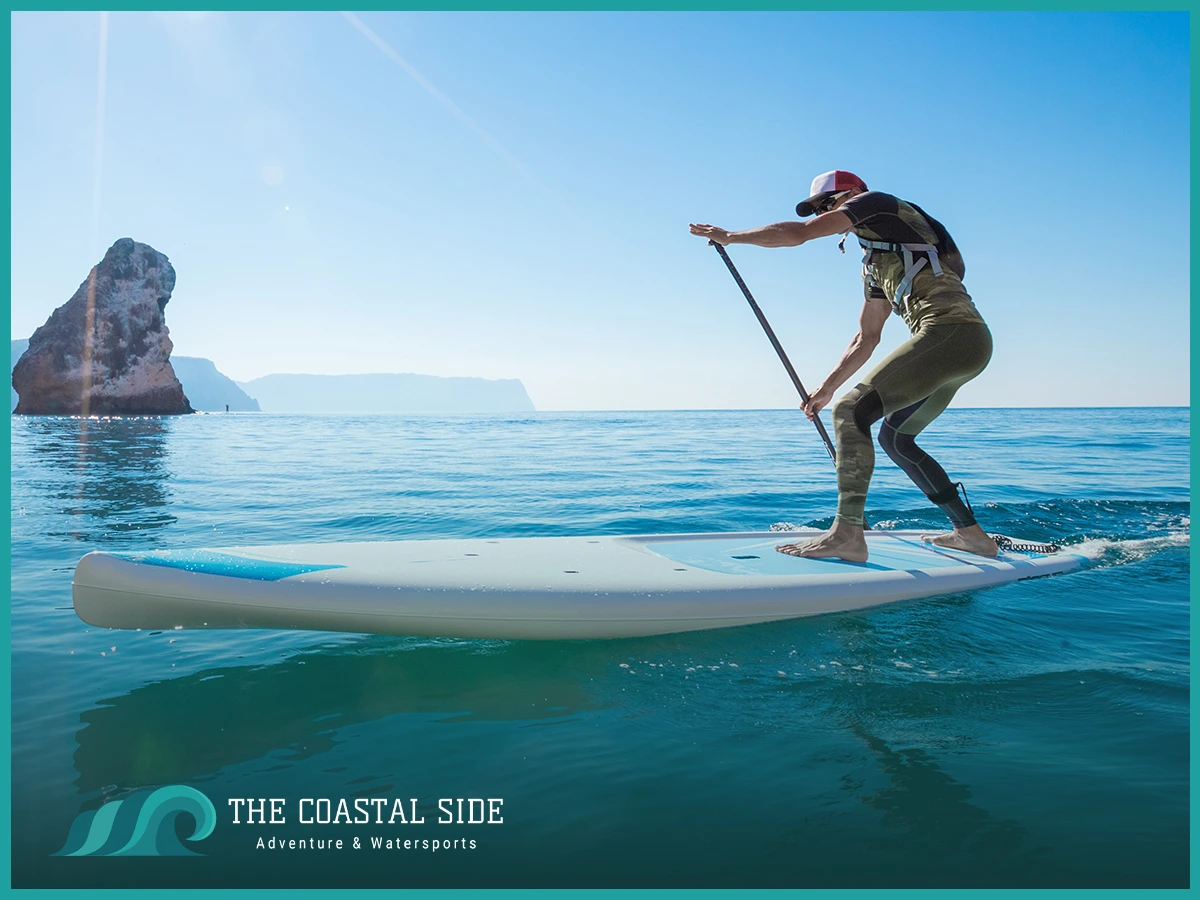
531	588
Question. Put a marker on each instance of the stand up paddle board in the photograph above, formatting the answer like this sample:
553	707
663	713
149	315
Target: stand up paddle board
536	588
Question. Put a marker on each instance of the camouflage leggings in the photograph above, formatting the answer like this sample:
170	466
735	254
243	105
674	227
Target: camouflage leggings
908	390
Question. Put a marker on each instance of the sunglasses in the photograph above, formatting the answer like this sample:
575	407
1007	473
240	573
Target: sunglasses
828	203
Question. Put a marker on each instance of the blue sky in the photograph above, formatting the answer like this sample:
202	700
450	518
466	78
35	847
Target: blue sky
506	195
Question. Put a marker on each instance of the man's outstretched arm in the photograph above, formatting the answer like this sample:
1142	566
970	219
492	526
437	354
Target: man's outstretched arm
780	234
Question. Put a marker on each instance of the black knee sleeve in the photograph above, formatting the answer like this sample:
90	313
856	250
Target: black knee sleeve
868	409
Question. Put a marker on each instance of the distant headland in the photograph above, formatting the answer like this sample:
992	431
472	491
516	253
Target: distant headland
208	390
107	351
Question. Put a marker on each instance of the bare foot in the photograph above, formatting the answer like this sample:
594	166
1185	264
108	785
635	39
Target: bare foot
839	542
971	540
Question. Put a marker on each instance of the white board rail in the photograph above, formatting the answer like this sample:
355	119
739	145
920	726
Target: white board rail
525	588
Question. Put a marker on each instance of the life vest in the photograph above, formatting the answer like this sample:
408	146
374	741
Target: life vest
915	257
912	265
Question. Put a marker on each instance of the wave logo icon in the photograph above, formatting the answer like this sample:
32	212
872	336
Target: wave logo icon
142	824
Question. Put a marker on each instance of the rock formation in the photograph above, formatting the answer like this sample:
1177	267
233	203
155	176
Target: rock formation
18	350
106	351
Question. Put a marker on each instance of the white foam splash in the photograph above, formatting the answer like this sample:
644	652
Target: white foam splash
1130	550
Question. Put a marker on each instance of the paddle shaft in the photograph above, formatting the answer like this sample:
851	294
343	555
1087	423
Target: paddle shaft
783	357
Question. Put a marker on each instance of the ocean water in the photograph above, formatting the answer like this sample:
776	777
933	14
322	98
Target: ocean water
1034	734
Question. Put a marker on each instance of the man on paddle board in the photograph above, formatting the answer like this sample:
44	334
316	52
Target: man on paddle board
912	267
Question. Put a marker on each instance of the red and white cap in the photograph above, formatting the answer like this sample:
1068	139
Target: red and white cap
825	186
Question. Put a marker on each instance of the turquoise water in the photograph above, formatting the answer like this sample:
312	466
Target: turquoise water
1034	734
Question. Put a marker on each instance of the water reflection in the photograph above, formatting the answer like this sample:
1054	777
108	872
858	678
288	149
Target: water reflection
931	807
181	730
110	475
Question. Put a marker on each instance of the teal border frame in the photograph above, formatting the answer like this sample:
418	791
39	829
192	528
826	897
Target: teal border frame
533	5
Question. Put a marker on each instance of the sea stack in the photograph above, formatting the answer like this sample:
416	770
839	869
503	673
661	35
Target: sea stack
107	350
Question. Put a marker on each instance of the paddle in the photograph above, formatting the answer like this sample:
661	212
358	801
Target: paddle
787	364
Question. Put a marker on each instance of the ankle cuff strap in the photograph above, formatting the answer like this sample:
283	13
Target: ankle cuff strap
950	493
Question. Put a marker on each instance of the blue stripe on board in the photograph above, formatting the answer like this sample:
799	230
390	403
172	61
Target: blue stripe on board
209	562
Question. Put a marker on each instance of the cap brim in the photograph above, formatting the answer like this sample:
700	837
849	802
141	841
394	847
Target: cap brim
806	208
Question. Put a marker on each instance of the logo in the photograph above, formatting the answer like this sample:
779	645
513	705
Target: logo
142	824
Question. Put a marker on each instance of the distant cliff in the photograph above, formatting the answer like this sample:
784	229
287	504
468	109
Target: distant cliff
208	389
386	394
